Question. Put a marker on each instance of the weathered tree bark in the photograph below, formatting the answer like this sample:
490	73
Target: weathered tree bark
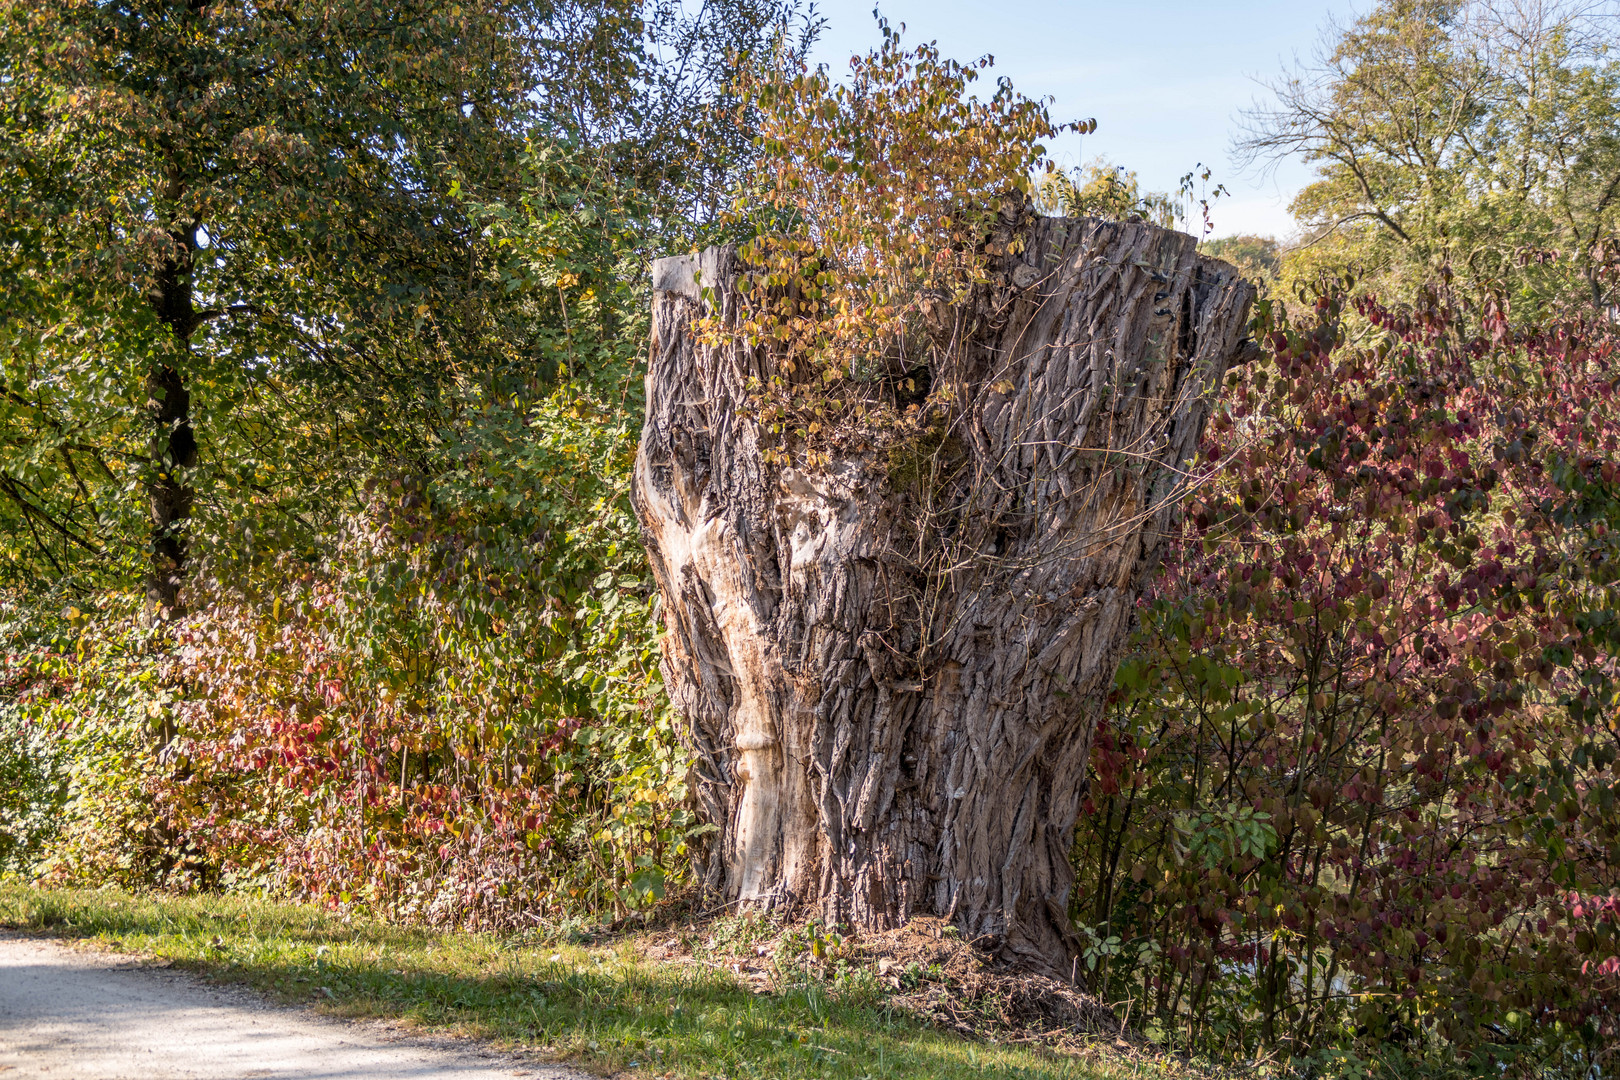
891	666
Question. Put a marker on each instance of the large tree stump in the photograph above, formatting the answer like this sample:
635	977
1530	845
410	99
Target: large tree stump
890	668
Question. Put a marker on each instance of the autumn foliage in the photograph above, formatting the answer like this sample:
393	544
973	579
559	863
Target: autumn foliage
872	219
1355	799
1358	786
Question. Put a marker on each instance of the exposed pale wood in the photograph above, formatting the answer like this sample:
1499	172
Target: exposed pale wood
890	688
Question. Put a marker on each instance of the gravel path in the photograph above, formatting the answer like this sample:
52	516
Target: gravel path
67	1014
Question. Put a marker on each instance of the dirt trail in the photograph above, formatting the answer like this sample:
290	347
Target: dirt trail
72	1015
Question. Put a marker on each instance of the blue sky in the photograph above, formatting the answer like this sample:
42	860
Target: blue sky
1165	81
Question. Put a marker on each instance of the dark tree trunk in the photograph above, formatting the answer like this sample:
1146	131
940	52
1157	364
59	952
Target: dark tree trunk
891	665
174	444
174	447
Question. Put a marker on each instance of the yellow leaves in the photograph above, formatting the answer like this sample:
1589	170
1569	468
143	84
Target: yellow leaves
567	281
892	177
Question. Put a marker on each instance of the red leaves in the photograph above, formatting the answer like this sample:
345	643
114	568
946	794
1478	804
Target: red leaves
1373	617
1611	966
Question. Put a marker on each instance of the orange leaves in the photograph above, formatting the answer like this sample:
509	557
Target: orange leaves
875	193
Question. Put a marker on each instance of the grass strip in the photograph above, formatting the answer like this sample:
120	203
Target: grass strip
604	1007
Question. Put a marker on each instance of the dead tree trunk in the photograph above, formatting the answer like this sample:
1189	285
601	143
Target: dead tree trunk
891	665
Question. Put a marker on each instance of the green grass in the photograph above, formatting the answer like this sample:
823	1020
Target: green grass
603	1007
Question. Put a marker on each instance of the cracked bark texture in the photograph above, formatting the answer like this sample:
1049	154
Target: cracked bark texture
890	667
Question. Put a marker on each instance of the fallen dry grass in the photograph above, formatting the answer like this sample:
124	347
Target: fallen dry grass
924	969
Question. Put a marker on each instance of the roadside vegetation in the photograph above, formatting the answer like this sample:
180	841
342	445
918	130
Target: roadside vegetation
572	992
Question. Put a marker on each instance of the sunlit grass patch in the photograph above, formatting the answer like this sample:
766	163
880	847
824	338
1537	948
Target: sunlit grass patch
602	1005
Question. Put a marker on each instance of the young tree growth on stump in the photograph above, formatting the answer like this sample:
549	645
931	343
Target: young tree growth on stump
891	644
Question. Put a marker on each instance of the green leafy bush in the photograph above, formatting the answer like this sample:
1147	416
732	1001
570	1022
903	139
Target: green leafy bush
32	783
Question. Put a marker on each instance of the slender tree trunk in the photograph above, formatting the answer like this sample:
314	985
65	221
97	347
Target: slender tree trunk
174	447
890	665
174	444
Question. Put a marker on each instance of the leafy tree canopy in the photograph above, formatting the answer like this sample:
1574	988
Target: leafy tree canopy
245	243
1473	141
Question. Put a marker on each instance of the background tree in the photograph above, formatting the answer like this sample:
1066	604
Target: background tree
676	131
1259	257
1103	190
221	217
217	199
1478	141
